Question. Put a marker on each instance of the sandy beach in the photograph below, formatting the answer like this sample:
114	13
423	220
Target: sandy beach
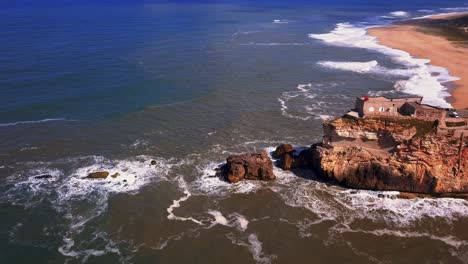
441	51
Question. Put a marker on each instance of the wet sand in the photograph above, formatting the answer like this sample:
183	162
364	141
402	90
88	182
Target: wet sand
441	51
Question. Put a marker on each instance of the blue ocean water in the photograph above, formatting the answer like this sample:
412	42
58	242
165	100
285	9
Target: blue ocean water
88	86
89	62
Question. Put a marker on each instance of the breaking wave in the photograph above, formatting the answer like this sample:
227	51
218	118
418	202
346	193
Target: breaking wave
399	14
79	200
359	67
83	202
423	79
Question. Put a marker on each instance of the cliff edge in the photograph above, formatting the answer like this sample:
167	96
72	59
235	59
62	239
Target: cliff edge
391	154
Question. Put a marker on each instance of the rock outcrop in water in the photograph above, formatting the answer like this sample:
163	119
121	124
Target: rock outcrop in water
251	166
405	155
42	177
98	175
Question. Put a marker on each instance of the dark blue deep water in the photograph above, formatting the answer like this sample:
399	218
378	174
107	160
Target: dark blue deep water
111	86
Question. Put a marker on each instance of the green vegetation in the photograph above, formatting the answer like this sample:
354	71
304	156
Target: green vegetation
455	124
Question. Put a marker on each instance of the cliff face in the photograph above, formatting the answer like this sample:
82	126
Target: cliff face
390	154
398	130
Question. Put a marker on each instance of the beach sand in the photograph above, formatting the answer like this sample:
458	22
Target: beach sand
441	51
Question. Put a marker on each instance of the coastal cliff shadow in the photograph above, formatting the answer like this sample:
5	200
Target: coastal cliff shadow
306	170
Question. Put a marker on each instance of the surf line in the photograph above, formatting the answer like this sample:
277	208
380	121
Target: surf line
176	204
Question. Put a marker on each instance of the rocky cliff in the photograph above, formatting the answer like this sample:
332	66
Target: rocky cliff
248	166
388	154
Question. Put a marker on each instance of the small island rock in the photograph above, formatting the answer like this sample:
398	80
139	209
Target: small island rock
250	166
98	175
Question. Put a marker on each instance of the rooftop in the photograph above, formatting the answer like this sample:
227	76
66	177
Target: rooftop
422	106
401	96
393	96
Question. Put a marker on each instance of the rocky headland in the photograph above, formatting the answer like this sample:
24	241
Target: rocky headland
376	153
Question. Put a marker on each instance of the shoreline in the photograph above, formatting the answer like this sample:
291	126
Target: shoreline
410	36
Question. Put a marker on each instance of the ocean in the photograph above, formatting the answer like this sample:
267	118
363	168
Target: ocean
112	87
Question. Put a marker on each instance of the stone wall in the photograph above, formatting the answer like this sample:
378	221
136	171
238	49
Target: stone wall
430	114
381	106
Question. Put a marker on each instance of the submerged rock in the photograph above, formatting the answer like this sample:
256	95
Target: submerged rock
153	162
250	166
286	162
98	175
41	177
115	175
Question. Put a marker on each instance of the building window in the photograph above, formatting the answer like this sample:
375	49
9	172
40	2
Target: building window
371	109
381	109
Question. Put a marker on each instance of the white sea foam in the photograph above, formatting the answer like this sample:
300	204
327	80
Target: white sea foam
233	220
257	250
133	174
360	67
255	247
139	143
310	101
426	80
417	77
373	67
402	211
399	14
281	21
69	192
210	184
34	122
326	117
27	190
242	222
219	218
446	239
347	206
176	204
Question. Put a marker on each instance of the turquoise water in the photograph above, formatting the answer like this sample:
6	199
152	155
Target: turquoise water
86	88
